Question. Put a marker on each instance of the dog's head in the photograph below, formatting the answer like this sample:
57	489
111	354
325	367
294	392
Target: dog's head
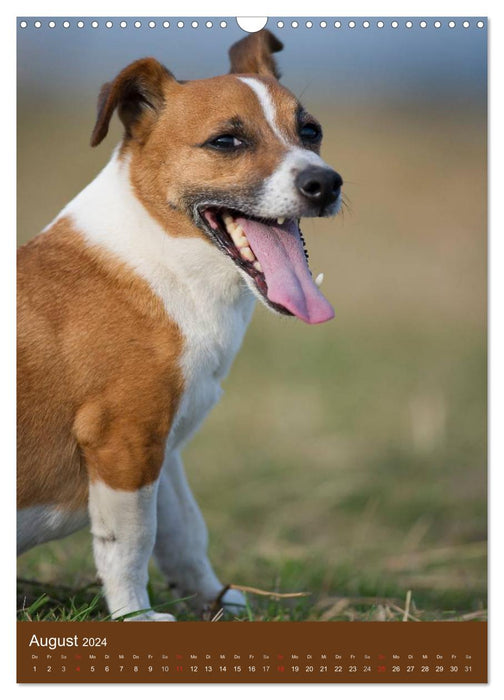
238	157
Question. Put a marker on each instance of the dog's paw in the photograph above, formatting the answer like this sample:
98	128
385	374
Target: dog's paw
151	616
233	602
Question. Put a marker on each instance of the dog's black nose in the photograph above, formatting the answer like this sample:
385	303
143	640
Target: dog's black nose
320	186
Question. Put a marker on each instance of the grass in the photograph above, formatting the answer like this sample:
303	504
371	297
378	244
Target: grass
346	460
344	497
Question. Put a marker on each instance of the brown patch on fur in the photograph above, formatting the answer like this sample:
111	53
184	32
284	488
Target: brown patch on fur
253	54
98	374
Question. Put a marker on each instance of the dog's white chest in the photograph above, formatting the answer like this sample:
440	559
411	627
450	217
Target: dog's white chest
211	344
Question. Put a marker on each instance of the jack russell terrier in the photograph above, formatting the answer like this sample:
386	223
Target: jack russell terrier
134	301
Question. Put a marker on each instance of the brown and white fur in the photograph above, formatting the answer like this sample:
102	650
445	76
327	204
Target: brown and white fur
131	312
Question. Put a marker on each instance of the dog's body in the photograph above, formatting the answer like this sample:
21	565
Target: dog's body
134	302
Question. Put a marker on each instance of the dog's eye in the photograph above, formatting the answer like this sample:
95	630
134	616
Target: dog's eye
310	133
226	142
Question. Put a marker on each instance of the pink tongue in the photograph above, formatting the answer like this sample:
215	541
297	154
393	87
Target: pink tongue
280	251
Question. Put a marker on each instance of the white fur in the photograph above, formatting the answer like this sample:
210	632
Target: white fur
268	107
39	524
182	539
123	525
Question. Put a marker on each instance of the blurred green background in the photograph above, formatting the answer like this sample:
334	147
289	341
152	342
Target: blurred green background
349	459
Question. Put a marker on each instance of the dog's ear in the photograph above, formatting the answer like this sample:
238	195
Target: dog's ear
136	92
254	54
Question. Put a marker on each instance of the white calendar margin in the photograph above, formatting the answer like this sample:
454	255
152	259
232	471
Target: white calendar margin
277	8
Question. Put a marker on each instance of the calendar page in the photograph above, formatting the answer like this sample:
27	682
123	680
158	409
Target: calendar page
252	350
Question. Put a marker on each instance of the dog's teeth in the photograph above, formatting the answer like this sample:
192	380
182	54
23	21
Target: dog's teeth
239	238
281	220
258	266
230	224
319	279
247	254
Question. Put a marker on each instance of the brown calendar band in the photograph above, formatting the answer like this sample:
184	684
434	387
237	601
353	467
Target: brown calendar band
252	652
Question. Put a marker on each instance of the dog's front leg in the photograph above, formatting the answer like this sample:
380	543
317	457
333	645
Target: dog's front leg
123	524
182	540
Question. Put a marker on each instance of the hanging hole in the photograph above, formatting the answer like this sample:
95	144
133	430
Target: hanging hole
251	24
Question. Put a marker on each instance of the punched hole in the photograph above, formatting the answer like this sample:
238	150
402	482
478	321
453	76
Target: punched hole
251	24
